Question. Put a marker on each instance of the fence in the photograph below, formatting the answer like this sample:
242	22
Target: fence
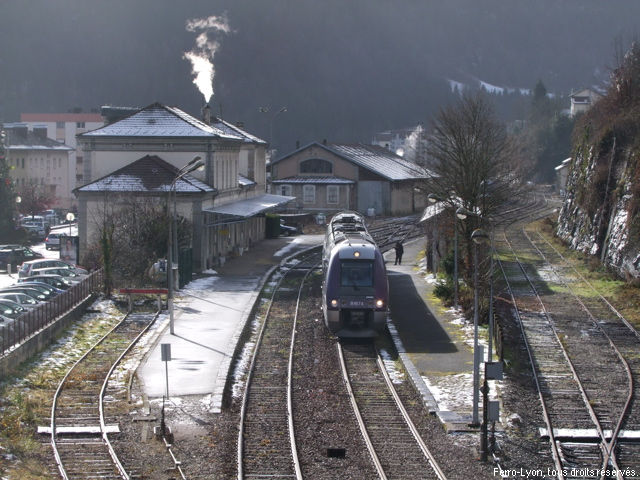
15	332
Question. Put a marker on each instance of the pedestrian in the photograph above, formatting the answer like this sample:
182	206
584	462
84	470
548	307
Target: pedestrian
399	251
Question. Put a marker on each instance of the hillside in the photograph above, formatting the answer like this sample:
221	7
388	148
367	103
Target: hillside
601	212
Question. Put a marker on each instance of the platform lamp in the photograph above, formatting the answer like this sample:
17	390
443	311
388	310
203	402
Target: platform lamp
461	213
479	236
195	164
434	199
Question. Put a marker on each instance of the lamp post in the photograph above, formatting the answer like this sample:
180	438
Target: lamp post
478	236
461	213
434	199
194	164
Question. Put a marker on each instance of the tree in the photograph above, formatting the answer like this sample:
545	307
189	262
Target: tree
35	198
473	162
7	195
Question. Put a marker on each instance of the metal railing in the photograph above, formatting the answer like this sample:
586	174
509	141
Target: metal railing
14	332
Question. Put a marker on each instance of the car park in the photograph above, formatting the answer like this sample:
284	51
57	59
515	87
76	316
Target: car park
52	242
24	300
15	255
27	267
53	280
65	273
49	290
11	309
28	290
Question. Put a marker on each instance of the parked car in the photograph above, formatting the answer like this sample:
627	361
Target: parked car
15	255
11	309
53	280
44	287
28	290
64	272
52	242
287	229
27	267
24	300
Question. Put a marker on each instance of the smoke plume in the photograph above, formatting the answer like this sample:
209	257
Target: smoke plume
202	55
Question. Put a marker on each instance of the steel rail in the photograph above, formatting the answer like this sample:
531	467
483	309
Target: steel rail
56	453
251	370
609	446
292	437
423	446
103	426
585	397
363	429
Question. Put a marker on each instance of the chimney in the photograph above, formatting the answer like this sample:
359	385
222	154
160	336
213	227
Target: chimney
40	131
206	114
297	144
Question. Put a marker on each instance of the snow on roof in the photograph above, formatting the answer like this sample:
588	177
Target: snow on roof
147	174
158	120
231	129
314	179
251	206
374	158
20	138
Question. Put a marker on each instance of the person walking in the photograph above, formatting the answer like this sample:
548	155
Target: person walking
399	251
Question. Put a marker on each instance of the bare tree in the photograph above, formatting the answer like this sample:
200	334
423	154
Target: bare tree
473	162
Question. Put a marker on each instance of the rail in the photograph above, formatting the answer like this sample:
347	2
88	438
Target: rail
23	327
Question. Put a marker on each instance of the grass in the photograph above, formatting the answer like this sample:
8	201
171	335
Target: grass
25	398
624	296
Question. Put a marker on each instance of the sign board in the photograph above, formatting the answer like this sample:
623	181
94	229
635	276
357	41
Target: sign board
165	352
493	370
69	247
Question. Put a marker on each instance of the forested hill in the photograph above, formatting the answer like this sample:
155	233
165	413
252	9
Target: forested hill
344	69
601	214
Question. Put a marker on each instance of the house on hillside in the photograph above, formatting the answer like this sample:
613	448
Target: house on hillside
141	155
582	100
36	159
332	177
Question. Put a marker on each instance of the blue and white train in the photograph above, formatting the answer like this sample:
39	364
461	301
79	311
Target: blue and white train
355	291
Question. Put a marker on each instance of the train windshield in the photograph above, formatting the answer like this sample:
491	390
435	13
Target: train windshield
356	274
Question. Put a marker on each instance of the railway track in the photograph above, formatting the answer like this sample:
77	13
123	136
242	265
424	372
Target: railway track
78	429
395	446
570	338
266	439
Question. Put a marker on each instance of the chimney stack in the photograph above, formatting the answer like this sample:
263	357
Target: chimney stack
206	114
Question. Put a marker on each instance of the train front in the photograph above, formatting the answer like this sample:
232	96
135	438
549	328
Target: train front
356	291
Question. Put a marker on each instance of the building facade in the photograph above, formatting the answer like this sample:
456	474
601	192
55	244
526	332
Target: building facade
226	209
333	177
37	161
63	128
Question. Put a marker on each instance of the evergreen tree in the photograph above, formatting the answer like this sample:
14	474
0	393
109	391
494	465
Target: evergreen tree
7	195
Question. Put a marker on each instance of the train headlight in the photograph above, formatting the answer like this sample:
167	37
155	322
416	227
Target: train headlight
334	303
356	254
379	303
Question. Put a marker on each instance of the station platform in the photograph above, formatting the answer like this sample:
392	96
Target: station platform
211	311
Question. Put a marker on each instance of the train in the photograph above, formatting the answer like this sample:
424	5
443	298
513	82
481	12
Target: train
355	289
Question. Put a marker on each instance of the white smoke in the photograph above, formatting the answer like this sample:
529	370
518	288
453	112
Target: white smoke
201	57
413	144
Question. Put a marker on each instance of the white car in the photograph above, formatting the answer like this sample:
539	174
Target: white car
52	242
27	267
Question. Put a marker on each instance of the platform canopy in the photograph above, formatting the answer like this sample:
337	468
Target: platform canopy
251	206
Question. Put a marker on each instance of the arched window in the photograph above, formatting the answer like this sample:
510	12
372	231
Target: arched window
316	165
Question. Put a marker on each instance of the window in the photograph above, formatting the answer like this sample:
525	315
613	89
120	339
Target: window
333	194
356	273
79	124
286	190
59	124
316	165
309	193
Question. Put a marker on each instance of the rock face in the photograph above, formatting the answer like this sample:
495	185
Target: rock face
601	212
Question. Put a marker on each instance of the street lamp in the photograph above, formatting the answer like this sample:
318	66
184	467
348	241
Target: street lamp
478	236
194	164
461	213
433	199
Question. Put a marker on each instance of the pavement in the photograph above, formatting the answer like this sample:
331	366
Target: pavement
211	312
209	316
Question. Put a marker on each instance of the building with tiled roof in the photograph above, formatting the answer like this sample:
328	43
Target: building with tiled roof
140	154
38	160
63	127
366	178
